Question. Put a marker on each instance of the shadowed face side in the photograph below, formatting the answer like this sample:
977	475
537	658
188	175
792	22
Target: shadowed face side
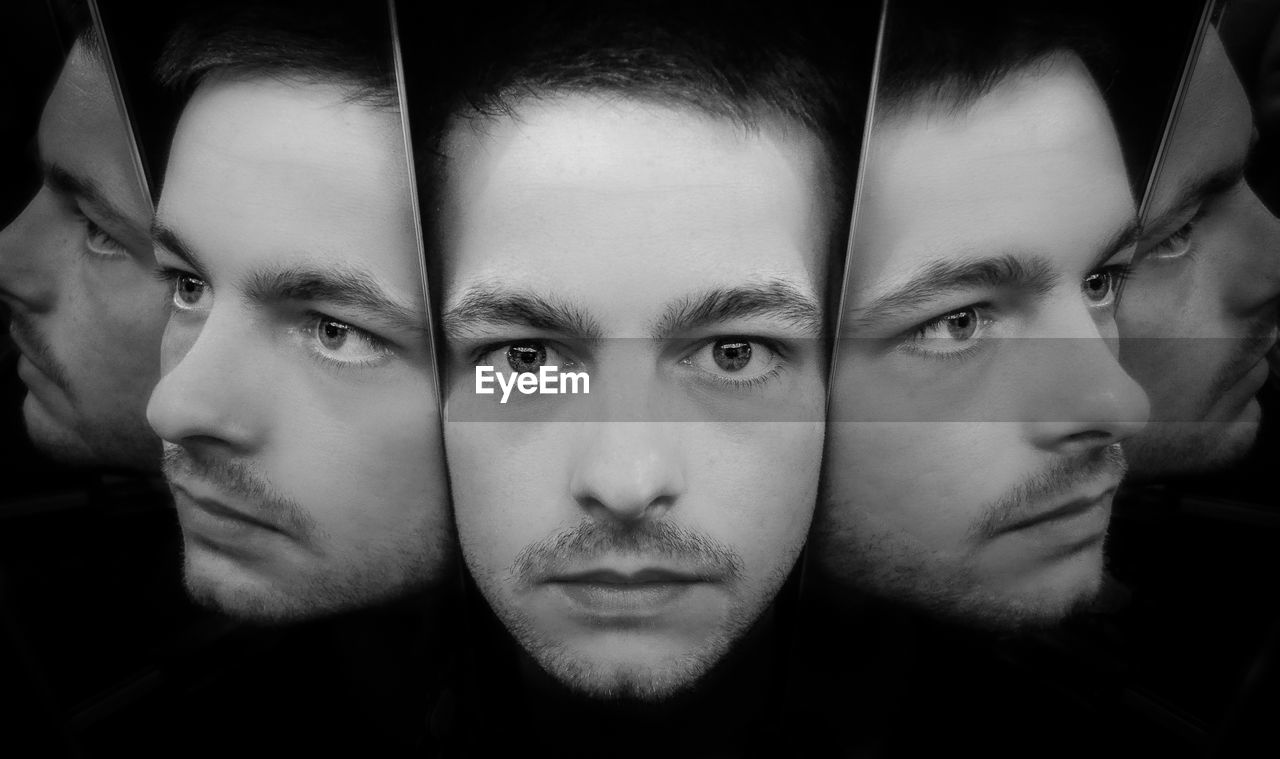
1202	310
76	274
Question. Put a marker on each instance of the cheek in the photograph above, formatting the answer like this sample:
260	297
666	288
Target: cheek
364	456
179	335
930	481
755	489
510	488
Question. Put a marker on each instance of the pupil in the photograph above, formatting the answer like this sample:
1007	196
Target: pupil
526	357
1099	284
332	334
732	355
960	325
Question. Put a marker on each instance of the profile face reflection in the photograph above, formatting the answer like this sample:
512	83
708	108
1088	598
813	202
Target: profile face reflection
1201	312
76	273
977	403
628	537
300	425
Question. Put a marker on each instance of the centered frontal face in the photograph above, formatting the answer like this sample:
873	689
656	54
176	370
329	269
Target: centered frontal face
627	537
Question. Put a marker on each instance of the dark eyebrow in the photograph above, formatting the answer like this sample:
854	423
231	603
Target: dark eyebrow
63	182
337	285
493	305
168	239
1195	191
775	298
1122	238
942	278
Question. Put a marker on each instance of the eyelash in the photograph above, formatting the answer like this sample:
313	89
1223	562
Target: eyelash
1120	274
478	353
912	347
170	276
1180	236
381	346
92	229
483	350
312	319
756	381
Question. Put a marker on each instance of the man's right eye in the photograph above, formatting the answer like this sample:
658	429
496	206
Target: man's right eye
190	293
524	356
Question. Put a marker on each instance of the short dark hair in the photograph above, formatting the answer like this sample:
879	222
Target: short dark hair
76	23
320	41
949	53
743	62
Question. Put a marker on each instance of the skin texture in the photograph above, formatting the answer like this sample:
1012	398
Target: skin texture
76	271
941	444
1201	312
624	212
304	457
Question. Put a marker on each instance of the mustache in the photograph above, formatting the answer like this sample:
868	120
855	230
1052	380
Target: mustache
1066	474
239	480
591	540
38	350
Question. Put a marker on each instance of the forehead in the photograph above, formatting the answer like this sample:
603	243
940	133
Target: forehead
269	170
82	129
1213	128
580	193
1033	167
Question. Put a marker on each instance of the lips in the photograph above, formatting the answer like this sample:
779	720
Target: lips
219	511
1063	513
605	592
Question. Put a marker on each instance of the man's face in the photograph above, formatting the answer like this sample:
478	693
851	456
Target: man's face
76	273
298	403
628	536
977	400
1201	312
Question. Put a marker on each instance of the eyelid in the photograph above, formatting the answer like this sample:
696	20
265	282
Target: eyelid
382	348
475	354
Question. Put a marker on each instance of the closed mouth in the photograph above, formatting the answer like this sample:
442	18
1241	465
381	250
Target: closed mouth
1063	512
222	511
638	578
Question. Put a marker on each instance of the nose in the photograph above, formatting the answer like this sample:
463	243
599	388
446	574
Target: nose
211	391
1259	278
1076	396
31	258
627	471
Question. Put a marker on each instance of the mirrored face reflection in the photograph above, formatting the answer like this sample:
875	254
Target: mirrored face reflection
1201	312
76	273
297	404
977	402
678	260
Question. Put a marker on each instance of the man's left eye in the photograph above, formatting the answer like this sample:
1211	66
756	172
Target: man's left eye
100	243
735	360
344	344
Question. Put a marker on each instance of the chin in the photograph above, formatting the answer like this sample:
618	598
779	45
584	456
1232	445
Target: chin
221	583
90	443
53	439
613	680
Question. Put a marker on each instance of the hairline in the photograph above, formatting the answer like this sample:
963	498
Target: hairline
948	98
